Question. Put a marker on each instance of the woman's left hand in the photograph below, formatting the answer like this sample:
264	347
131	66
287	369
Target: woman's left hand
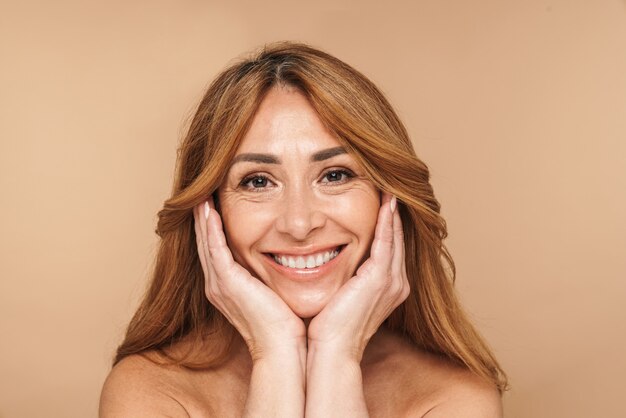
357	310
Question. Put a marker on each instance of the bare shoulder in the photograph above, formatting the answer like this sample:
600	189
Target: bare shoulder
139	387
454	391
423	384
463	394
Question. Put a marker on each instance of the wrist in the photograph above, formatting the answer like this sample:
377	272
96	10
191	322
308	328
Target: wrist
281	357
334	383
334	352
328	357
277	385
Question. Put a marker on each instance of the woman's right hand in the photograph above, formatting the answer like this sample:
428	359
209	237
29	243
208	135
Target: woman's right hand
268	326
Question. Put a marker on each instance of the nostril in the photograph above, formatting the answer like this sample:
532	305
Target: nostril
298	218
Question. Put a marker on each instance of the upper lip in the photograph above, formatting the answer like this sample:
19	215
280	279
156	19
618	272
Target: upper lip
305	250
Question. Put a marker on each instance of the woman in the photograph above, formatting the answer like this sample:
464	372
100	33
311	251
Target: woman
301	269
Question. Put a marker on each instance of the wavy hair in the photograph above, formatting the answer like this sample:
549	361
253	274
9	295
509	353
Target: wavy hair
175	308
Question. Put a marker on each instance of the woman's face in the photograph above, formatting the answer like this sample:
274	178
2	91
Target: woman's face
298	212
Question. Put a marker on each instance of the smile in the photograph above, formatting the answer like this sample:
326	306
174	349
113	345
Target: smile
309	261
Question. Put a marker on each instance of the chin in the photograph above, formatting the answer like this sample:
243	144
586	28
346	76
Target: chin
306	292
307	306
307	312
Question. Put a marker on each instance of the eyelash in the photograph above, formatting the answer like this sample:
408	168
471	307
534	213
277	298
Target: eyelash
244	183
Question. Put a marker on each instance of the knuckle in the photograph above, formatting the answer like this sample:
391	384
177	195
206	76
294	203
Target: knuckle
388	284
211	291
387	239
396	289
212	247
406	290
400	237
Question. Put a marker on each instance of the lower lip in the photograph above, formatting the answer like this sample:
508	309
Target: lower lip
304	274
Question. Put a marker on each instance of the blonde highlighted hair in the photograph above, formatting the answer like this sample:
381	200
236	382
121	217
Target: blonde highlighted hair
175	308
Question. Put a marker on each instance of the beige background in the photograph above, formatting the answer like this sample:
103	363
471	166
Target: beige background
518	107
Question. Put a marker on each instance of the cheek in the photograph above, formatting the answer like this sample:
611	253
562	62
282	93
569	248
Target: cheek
357	211
248	222
244	224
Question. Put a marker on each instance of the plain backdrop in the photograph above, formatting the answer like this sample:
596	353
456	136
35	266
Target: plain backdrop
518	107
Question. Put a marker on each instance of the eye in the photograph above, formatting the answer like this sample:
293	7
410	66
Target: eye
256	181
337	176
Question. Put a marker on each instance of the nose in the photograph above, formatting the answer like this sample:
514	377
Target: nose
300	213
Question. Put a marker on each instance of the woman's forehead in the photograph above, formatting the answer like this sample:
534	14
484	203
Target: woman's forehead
286	123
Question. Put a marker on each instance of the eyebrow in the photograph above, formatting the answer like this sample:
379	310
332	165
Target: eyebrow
325	154
254	157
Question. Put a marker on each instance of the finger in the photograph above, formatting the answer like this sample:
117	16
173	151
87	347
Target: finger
200	214
397	262
220	255
209	271
382	245
205	209
210	276
200	240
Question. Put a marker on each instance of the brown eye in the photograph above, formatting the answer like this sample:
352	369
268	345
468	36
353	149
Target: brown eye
337	176
255	182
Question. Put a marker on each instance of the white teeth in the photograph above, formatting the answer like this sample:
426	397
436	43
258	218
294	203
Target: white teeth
311	261
300	263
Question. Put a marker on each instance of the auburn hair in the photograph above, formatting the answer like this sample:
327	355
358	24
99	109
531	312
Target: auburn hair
357	113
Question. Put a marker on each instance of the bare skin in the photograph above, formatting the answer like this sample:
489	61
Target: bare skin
398	381
395	380
311	338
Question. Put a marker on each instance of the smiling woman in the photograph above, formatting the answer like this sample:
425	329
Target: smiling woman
301	269
289	215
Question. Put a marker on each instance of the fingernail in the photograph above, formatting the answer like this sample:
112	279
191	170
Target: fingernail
392	204
206	210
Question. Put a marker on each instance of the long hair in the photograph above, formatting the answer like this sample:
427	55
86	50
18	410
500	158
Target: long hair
175	308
